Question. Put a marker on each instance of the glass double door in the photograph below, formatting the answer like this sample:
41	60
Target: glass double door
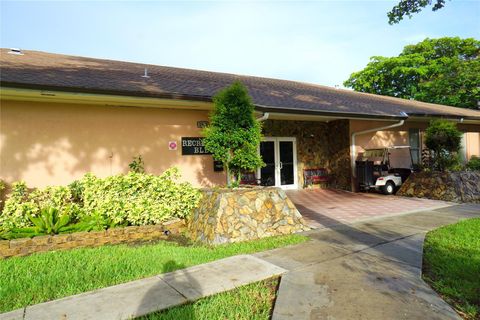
280	157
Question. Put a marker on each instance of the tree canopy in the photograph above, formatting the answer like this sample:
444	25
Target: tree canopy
444	71
234	134
408	7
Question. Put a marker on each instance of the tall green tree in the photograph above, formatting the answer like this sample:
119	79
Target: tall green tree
233	135
444	71
409	7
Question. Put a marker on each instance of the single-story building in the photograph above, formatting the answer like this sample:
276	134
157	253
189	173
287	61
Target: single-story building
63	116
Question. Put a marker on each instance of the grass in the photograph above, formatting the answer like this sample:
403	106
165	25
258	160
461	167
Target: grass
254	301
452	265
52	275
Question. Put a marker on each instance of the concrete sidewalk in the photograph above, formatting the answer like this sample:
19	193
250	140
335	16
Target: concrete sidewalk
367	270
141	297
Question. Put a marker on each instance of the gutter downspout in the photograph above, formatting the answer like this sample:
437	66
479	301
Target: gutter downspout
264	117
353	145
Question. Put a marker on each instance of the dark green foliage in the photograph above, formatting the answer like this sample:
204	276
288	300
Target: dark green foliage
407	7
443	139
234	135
137	165
474	163
443	71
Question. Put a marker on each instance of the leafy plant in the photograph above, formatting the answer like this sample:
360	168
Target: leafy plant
93	222
16	207
234	134
97	204
76	190
48	222
22	203
137	165
138	198
2	189
474	163
443	139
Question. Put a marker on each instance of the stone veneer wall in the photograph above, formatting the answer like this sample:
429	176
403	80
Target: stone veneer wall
227	215
448	186
26	246
319	144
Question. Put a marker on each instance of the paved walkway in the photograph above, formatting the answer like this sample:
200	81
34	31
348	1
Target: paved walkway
366	270
328	207
141	297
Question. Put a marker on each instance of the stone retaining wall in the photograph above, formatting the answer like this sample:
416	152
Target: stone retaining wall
461	186
226	215
26	246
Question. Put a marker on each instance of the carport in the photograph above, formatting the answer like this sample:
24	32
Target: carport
328	207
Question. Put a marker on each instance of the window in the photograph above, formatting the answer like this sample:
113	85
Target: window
414	142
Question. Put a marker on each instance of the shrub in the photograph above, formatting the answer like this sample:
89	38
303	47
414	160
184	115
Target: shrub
21	203
3	186
138	198
94	203
474	163
443	139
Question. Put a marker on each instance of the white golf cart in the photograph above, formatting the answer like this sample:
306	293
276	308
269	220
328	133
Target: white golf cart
384	169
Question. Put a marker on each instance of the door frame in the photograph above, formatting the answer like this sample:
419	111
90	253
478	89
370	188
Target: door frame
276	141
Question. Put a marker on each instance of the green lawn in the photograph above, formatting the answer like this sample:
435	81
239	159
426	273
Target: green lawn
253	301
52	275
452	265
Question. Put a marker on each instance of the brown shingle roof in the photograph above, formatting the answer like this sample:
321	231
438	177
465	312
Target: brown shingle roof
49	71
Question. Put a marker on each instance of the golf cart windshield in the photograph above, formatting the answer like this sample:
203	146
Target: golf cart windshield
400	157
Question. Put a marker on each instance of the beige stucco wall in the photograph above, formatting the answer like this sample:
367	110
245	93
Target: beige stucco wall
55	143
472	143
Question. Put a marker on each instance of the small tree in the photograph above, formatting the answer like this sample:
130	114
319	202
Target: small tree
443	139
234	134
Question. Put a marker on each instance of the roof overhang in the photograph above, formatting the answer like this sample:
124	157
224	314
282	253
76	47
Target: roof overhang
202	103
20	94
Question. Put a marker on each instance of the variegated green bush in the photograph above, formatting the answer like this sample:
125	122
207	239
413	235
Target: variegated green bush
21	202
126	199
139	198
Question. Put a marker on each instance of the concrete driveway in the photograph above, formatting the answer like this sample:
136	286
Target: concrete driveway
367	270
328	207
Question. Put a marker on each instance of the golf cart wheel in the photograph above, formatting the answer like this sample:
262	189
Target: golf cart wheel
389	188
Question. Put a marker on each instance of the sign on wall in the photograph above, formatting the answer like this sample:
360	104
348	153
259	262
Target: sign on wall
193	146
172	145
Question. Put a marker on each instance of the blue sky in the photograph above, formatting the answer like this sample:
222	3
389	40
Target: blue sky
317	41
